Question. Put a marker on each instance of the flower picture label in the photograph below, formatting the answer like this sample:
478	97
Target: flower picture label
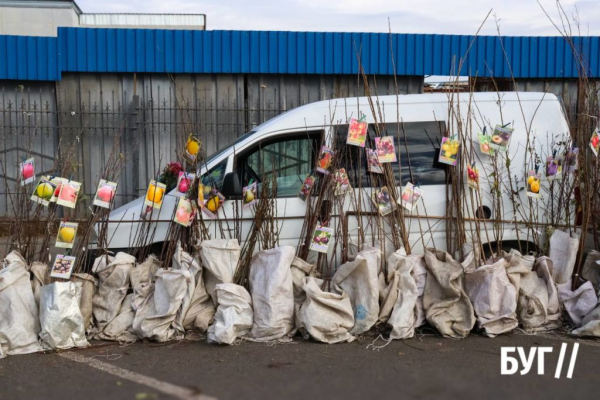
325	159
357	133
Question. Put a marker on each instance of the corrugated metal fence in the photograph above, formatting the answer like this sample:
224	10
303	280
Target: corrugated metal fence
90	110
274	52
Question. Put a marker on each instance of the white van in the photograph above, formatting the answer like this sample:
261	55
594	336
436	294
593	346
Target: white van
292	140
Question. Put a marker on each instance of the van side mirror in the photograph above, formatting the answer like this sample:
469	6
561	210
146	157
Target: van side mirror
231	185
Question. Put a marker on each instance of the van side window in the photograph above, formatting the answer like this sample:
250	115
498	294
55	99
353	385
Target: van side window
290	159
417	145
214	177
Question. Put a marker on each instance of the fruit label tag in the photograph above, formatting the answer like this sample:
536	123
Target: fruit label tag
357	133
192	148
321	239
533	184
554	168
571	160
375	166
595	142
473	177
250	195
411	196
69	191
325	159
212	204
66	234
449	151
186	212
62	267
58	181
307	185
386	151
484	145
500	138
383	201
27	170
105	193
155	195
342	183
43	191
185	181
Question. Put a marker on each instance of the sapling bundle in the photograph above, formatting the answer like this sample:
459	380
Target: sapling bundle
27	214
397	221
100	210
64	164
263	232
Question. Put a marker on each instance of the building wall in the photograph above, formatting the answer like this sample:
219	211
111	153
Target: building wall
26	21
144	21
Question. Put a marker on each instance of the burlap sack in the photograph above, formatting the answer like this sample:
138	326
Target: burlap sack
563	252
19	321
155	317
447	306
272	293
538	307
88	288
403	319
326	316
142	280
590	325
113	284
220	258
233	318
300	270
60	317
591	269
579	303
493	297
197	308
359	279
40	274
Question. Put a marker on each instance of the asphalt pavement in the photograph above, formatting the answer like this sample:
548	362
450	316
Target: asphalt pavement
425	367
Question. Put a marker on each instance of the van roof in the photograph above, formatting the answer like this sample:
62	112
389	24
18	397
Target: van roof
307	111
317	115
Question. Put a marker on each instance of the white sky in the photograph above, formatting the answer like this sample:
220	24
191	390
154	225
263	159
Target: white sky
517	17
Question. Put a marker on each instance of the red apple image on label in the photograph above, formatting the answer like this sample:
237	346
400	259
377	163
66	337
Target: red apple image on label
27	171
57	191
68	193
184	185
106	194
